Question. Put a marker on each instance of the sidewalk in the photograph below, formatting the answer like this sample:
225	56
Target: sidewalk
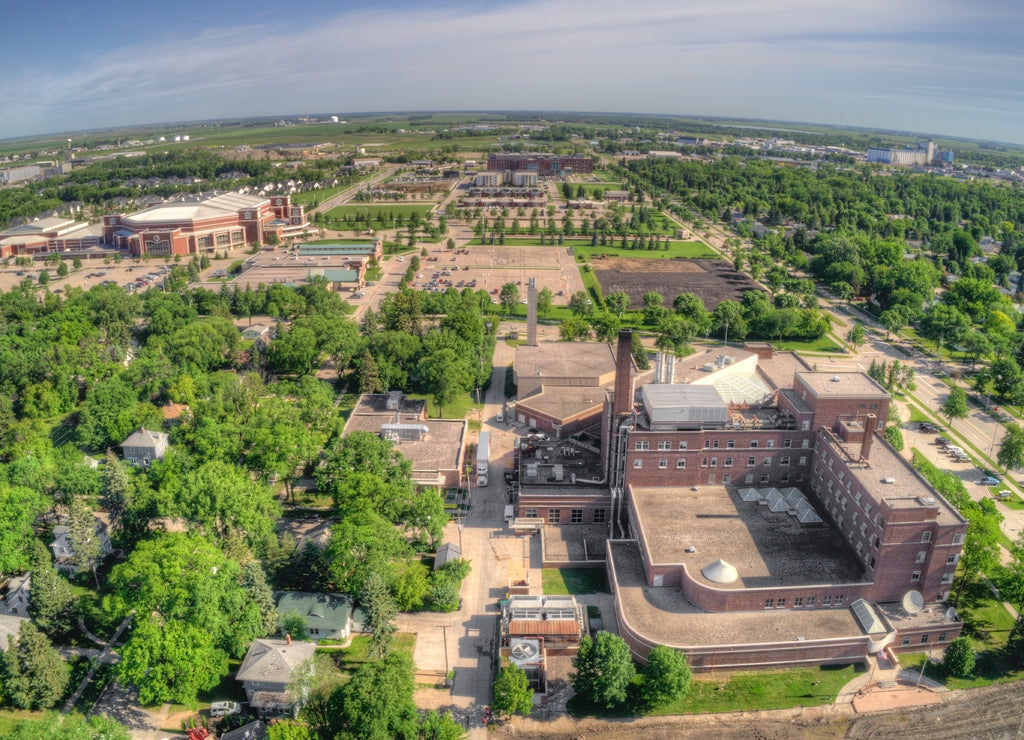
885	687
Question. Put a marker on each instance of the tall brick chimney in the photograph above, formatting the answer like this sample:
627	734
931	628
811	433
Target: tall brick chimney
870	423
623	401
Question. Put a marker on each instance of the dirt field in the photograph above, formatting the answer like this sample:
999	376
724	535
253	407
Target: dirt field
990	712
713	281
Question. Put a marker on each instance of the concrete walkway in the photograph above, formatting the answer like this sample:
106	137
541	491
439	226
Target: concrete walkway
885	686
102	656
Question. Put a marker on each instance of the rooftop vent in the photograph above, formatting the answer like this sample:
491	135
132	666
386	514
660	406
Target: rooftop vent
888	479
835	378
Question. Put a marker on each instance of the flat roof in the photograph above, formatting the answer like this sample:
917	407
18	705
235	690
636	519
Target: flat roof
563	402
216	207
909	488
768	549
565	360
780	370
841	385
440	450
664	616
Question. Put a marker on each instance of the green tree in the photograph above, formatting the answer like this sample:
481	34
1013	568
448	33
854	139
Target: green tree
1011	450
258	593
19	507
959	658
727	320
509	296
377	703
84	538
981	548
35	674
894	436
580	304
617	303
666	677
52	604
445	374
512	692
955	405
62	269
603	670
545	299
436	726
856	336
115	488
293	625
380	608
288	729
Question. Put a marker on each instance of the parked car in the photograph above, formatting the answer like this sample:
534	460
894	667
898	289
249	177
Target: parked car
990	481
224	708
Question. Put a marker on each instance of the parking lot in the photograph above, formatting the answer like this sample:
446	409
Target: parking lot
138	273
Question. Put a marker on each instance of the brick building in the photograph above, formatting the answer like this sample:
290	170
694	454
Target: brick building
222	222
545	165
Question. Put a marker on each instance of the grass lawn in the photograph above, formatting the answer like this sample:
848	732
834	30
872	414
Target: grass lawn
375	211
11	718
566	581
822	344
459	408
317	196
916	415
732	692
676	250
351	657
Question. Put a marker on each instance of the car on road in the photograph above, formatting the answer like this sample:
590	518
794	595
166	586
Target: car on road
989	481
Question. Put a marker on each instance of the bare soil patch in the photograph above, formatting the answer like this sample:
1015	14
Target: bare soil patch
713	281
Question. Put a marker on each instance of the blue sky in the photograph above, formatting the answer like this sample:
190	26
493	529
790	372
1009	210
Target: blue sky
938	66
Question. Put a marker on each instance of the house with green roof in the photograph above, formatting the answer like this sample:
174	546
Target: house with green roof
327	616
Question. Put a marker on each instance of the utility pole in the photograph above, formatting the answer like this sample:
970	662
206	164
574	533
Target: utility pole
444	631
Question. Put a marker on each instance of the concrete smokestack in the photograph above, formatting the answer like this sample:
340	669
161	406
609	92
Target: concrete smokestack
870	423
623	401
531	312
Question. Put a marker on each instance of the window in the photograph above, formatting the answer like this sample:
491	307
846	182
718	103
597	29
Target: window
704	462
662	464
728	462
711	479
906	641
682	444
785	478
642	444
765	477
730	443
638	463
826	600
770	444
877	542
664	445
924	639
798	601
915	576
751	462
787	443
769	603
554	516
958	539
947	578
804	426
714	444
576	516
714	462
726	479
839	599
707	444
922	555
784	460
803	460
781	604
926	536
753	444
942	637
799	476
531	513
680	464
748	478
872	562
599	516
766	461
810	601
951	560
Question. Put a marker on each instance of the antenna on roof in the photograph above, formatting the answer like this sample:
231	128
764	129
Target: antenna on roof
912	602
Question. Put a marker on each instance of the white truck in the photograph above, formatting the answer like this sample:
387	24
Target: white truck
483	455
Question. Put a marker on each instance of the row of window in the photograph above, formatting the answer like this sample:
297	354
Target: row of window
800	601
925	639
712	462
642	445
575	515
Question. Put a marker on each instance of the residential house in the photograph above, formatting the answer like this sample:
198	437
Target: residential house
144	446
266	672
253	731
10	626
15	594
326	616
64	553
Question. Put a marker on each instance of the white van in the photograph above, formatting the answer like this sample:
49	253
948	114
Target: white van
510	513
224	708
501	417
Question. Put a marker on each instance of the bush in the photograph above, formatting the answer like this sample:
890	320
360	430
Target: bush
959	660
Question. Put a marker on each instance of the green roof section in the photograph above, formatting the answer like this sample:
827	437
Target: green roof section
324	612
344	249
336	276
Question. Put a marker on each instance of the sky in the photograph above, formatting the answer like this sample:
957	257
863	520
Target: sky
946	67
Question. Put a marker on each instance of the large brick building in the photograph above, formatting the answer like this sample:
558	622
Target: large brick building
545	165
193	227
775	530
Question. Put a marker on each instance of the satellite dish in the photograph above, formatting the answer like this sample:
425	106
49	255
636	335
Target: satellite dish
913	602
951	613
